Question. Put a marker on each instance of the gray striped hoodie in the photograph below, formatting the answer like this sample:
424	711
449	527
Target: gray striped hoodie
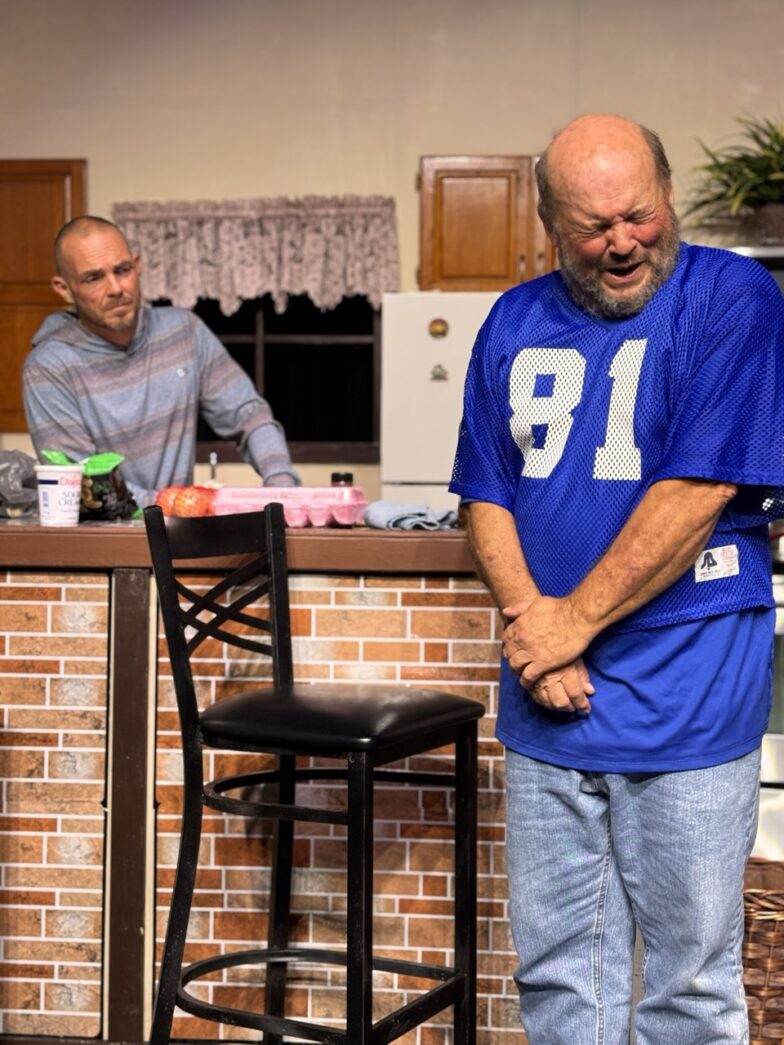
83	395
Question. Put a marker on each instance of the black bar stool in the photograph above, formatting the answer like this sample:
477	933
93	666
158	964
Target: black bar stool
364	726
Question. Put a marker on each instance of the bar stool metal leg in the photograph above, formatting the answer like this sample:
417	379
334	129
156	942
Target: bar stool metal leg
280	897
359	969
179	912
465	882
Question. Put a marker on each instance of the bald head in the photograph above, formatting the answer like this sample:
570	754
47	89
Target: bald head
80	228
606	203
594	144
98	277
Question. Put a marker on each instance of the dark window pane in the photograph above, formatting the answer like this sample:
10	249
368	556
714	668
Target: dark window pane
352	316
243	321
245	355
321	394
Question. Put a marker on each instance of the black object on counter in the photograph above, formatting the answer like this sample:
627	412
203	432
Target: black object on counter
18	493
105	496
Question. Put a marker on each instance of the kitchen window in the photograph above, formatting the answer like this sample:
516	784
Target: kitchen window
319	371
229	259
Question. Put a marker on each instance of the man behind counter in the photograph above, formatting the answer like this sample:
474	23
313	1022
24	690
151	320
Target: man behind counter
116	375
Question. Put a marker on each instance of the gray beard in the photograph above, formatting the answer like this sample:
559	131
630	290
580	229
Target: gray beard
588	294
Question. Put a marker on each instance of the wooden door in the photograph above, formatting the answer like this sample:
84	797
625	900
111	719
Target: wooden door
37	197
479	229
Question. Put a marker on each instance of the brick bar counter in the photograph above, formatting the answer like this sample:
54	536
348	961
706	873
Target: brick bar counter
91	768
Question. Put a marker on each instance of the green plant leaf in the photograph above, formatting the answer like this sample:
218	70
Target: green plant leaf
741	176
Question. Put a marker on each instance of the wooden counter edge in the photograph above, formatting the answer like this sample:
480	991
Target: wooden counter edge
95	546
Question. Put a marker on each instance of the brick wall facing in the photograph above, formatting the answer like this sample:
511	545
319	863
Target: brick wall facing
438	632
53	650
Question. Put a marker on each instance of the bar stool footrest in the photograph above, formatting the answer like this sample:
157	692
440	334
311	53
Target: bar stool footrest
394	1025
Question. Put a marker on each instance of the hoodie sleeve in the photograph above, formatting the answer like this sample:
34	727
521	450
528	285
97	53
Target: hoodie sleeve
234	410
54	418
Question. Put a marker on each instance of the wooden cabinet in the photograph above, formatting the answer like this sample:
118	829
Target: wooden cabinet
37	197
479	229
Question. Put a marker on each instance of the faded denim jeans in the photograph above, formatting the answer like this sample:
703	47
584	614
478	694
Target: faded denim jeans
591	855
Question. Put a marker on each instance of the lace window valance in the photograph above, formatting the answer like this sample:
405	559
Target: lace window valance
237	250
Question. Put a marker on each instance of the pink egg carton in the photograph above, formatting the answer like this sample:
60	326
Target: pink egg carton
302	505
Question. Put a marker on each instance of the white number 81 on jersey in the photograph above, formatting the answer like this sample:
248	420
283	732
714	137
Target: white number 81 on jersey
619	457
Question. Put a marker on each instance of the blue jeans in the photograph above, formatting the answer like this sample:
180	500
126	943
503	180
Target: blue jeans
591	855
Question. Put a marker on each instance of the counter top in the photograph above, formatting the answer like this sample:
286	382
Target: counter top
101	546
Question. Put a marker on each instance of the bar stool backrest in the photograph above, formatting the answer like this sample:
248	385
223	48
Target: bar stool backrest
243	559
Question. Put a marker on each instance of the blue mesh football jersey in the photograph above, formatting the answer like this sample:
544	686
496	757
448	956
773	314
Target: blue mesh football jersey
568	420
683	696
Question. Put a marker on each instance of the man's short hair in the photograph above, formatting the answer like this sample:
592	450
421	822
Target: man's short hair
81	226
661	164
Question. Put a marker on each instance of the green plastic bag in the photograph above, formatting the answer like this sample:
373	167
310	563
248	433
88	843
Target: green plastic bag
104	493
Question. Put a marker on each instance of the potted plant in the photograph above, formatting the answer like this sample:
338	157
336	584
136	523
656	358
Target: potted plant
745	180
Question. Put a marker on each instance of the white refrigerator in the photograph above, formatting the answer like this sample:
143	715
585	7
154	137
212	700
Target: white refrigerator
426	342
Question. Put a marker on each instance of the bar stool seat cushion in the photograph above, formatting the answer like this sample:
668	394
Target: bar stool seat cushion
331	717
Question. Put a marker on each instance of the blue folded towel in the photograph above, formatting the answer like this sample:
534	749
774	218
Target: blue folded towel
388	515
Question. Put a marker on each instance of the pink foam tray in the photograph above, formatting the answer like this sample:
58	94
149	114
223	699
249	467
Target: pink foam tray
302	505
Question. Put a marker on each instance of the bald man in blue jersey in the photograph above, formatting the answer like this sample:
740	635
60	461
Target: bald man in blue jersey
620	455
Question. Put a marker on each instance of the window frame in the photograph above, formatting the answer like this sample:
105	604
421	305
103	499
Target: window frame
305	451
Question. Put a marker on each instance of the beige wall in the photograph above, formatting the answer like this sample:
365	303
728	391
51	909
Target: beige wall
188	99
